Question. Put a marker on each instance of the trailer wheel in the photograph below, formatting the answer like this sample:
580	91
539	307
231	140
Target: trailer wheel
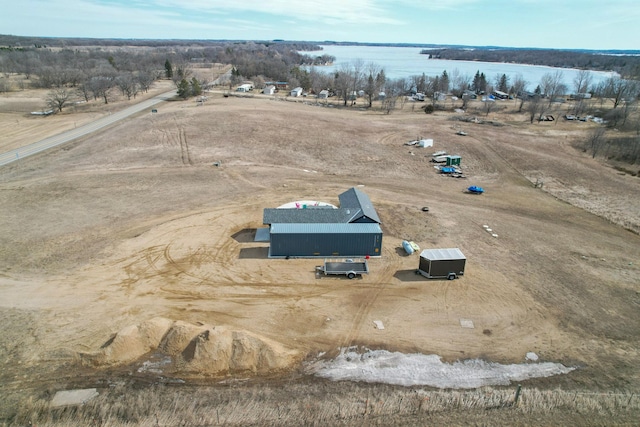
451	276
351	275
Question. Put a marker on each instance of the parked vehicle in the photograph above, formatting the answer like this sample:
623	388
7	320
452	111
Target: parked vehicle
349	267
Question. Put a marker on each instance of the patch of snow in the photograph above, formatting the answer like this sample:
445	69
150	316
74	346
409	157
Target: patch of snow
378	324
467	323
381	366
532	356
73	397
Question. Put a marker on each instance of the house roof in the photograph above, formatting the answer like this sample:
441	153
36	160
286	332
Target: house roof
355	206
354	198
309	215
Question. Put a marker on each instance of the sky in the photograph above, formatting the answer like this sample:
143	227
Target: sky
561	24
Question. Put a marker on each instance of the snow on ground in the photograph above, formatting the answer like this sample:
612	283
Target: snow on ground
381	366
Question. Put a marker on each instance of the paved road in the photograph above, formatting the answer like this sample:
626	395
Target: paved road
53	141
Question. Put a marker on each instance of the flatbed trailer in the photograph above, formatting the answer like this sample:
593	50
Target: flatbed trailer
349	267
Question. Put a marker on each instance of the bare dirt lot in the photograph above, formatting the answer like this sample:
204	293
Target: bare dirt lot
136	222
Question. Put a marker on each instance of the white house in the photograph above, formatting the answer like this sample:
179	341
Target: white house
269	90
324	94
296	91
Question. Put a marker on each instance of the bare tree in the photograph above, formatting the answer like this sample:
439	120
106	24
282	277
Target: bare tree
127	84
459	82
180	72
582	81
58	98
145	79
342	82
319	81
535	108
489	106
620	89
518	88
595	141
552	85
100	87
372	87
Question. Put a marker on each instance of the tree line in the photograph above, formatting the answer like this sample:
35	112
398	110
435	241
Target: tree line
95	72
628	66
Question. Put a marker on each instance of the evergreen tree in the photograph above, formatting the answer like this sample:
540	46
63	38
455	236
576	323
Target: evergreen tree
184	89
196	89
168	69
475	86
381	80
444	82
503	85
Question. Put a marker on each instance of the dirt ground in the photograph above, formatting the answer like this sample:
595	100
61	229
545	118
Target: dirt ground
137	222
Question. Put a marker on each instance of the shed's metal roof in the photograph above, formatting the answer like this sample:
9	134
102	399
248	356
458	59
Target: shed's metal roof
442	254
297	228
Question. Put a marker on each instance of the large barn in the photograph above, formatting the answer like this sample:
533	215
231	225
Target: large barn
319	230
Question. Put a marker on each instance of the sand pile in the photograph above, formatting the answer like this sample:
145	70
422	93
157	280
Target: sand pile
195	349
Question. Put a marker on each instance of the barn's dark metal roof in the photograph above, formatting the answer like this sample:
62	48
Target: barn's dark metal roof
355	206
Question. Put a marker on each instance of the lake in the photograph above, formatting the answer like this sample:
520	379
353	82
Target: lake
404	62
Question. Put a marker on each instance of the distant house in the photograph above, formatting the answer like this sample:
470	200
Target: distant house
439	96
324	94
244	87
296	91
382	96
580	96
500	95
269	90
469	94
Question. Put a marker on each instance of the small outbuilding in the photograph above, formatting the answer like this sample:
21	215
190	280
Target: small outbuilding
269	90
453	160
446	263
296	91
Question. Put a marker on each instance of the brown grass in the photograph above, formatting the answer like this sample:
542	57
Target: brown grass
322	404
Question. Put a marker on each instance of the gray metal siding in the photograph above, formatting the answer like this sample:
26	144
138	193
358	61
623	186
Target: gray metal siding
325	240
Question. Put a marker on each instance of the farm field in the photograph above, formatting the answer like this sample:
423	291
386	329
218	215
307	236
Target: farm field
152	220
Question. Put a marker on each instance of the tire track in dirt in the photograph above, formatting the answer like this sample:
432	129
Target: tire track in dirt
370	297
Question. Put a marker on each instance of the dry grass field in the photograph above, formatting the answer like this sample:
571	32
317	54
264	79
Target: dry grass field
136	222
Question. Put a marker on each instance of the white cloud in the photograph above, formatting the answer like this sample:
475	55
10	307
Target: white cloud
353	11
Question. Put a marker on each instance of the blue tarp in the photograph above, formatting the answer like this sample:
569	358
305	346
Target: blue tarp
475	189
447	170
